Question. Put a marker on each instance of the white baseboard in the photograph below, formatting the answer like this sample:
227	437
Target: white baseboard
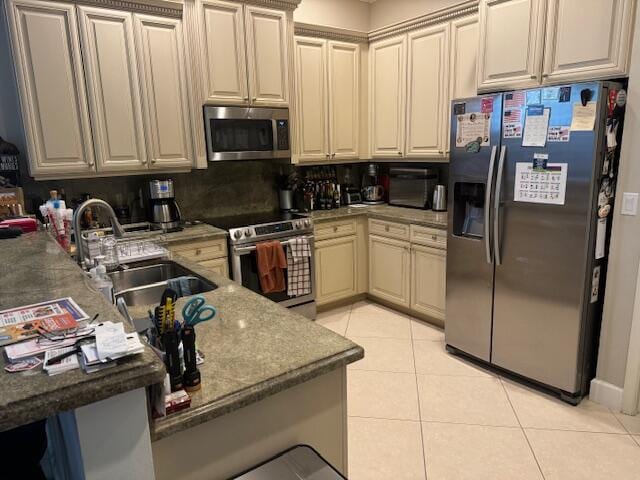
606	394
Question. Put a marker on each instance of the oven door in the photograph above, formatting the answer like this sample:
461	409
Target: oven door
241	133
245	272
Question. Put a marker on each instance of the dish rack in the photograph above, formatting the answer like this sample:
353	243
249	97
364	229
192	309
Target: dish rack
131	248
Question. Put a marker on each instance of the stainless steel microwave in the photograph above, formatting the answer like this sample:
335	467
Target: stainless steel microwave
246	133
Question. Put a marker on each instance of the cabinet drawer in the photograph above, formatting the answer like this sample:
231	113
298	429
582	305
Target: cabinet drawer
431	237
203	250
339	228
218	265
389	229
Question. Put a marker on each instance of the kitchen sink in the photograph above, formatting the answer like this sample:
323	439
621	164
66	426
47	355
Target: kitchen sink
143	283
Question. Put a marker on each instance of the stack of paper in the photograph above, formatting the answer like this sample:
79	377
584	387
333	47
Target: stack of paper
91	361
37	346
66	364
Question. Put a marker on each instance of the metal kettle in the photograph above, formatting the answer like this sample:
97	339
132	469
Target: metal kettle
439	199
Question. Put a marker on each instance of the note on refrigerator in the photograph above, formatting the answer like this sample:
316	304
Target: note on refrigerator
473	127
584	118
601	236
536	124
541	185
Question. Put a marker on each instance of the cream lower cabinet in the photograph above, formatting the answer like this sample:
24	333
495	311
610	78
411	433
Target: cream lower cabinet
48	62
389	268
428	280
336	269
211	254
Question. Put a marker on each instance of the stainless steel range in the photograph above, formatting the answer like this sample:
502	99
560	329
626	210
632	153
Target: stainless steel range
246	231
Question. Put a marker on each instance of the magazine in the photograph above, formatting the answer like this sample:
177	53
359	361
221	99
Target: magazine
53	316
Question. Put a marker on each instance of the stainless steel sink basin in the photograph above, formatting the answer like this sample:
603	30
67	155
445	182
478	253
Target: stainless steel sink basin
144	282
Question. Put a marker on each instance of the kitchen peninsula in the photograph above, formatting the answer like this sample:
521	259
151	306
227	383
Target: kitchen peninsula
271	379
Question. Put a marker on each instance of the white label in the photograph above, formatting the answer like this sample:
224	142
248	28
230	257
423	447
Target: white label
601	236
548	185
584	118
471	127
536	124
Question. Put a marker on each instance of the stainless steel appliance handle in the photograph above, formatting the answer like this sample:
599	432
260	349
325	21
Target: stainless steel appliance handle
241	250
487	205
496	207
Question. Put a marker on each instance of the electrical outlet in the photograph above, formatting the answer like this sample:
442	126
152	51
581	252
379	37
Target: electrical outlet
629	204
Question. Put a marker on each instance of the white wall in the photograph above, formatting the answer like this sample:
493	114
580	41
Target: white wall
348	14
625	241
387	12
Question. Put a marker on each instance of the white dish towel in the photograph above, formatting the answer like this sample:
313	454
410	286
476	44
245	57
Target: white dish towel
298	267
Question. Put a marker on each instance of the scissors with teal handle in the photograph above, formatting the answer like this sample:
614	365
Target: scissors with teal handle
196	310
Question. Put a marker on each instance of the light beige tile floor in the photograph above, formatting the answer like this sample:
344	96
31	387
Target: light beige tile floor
416	413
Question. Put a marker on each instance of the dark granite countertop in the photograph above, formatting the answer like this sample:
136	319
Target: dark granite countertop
191	233
254	348
427	218
34	269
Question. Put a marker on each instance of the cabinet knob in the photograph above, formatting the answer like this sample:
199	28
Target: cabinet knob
400	153
545	75
434	237
335	229
533	77
386	228
254	99
198	251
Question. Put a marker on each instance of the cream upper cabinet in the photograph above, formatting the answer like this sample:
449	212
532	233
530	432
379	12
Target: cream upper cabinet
113	89
463	79
49	71
389	272
267	58
587	39
336	269
223	48
163	82
311	88
511	41
387	79
344	99
428	280
427	91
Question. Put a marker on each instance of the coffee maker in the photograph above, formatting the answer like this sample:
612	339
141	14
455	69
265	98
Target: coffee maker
164	211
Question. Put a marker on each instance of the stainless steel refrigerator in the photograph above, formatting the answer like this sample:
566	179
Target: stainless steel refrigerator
525	261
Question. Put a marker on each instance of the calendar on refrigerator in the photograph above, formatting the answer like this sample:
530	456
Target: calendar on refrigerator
541	185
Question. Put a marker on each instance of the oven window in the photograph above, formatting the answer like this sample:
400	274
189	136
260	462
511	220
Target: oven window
240	135
251	280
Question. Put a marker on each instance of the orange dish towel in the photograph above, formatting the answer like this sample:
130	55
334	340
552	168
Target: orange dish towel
271	264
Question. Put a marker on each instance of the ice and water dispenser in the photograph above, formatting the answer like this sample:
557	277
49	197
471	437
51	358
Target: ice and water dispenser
468	209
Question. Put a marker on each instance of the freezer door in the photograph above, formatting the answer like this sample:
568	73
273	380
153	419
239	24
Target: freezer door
541	254
469	254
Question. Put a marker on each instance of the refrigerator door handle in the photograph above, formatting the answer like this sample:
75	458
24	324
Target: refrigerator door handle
487	203
496	207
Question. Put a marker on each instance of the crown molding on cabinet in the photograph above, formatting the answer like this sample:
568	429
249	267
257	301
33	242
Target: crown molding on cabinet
165	8
280	4
439	16
330	33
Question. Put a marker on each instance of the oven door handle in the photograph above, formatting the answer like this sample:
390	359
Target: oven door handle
252	248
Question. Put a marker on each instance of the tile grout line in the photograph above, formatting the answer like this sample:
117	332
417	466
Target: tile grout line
526	437
415	377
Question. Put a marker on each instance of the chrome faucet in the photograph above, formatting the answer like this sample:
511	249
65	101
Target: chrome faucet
118	231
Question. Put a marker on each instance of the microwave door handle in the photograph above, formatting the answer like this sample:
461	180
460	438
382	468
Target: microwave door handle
487	205
496	207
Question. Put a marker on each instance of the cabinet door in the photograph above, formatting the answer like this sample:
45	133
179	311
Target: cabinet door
428	281
311	88
389	269
164	95
267	58
587	39
387	77
54	108
218	265
511	44
427	91
224	61
113	89
344	99
336	275
463	63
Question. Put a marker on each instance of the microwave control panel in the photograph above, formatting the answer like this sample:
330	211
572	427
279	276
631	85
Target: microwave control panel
282	132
